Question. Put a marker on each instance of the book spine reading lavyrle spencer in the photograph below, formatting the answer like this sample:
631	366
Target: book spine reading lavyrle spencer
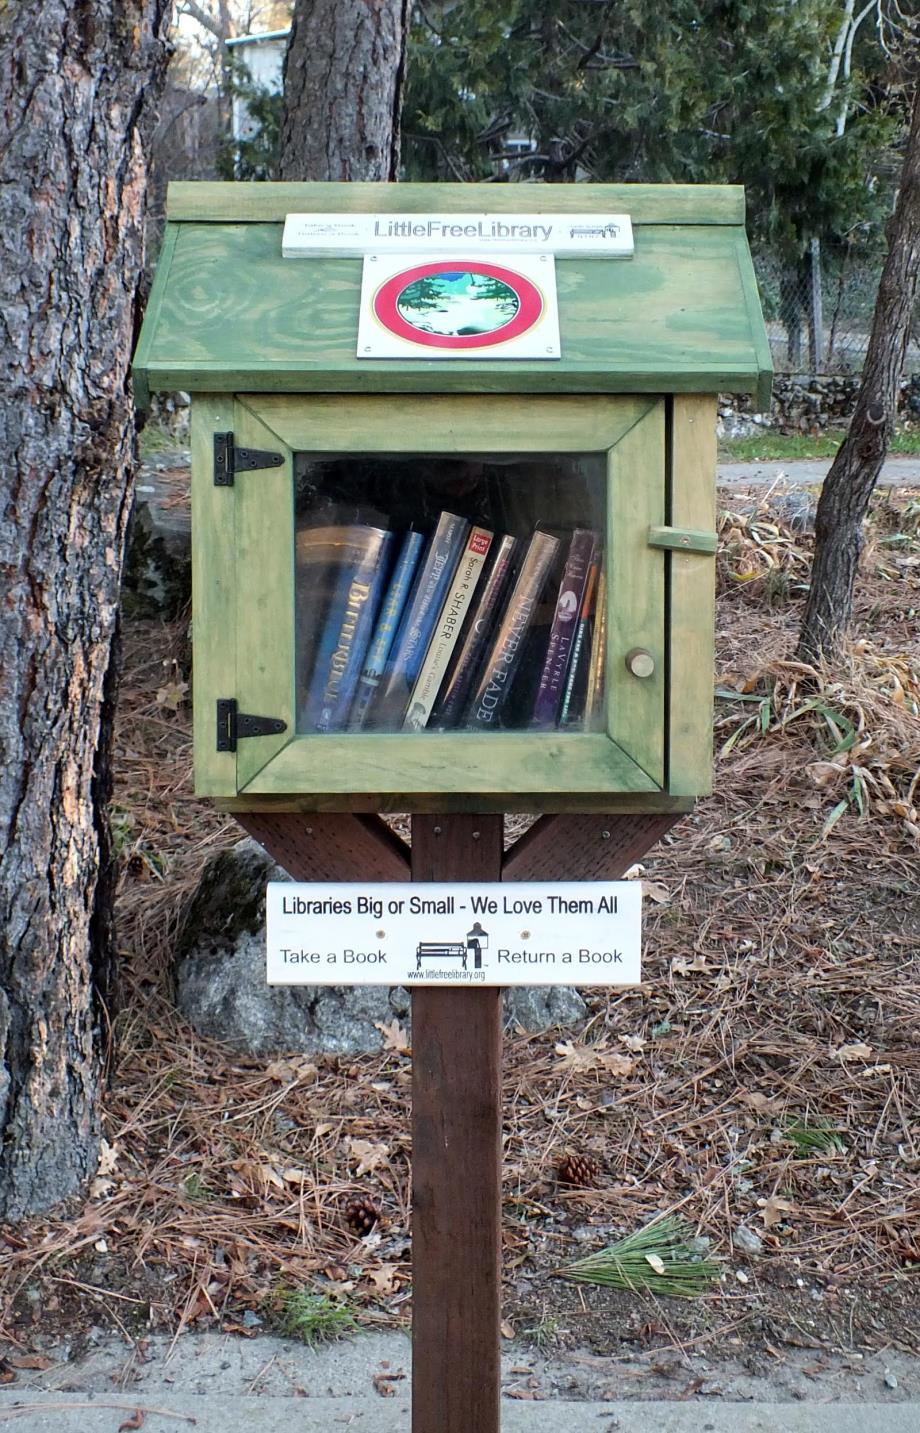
594	702
447	628
467	659
391	611
565	625
497	677
421	613
576	685
351	623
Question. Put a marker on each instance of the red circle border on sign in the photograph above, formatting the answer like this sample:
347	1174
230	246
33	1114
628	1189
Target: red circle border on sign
530	304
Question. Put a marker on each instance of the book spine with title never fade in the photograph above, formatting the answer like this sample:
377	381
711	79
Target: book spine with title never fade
565	625
417	626
576	686
447	629
497	677
467	659
348	632
391	611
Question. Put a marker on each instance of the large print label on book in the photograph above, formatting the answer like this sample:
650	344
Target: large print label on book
532	933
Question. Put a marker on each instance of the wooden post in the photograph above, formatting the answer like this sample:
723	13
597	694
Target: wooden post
815	307
456	1163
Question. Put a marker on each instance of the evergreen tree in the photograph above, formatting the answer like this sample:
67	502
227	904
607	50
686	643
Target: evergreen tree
731	92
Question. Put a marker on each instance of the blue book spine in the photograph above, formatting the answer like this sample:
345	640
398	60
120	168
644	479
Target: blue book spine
421	616
334	716
387	626
328	638
347	632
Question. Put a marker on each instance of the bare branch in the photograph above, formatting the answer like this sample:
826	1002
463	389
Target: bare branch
205	20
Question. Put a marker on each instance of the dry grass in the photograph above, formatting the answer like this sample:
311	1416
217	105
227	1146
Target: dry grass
781	993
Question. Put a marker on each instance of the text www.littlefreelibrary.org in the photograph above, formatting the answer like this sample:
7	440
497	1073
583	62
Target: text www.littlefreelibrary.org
461	977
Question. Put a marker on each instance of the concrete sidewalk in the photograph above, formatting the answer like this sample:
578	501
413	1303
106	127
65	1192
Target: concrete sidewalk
74	1413
810	472
222	1383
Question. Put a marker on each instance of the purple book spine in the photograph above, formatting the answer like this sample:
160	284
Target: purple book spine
565	625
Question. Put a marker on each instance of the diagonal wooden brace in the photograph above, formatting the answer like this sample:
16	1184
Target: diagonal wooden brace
585	848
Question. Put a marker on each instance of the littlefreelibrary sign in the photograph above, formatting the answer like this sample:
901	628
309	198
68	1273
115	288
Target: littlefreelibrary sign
309	236
452	933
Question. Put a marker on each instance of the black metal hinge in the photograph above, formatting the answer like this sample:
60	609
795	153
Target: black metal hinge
229	460
233	725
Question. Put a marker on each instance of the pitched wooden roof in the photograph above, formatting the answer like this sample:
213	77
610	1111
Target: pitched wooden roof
228	313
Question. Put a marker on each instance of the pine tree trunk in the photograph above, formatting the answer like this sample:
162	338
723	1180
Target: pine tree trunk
343	76
849	484
76	85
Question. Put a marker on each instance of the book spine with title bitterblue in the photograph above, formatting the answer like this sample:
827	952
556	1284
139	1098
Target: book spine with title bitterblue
387	627
347	634
419	621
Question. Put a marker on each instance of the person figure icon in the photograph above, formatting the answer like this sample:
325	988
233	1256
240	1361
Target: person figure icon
477	940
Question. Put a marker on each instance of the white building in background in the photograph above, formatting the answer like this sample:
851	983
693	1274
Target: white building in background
263	57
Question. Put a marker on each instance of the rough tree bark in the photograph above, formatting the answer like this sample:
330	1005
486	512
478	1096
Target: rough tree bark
343	79
77	82
855	470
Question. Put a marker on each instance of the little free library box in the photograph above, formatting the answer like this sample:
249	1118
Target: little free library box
453	499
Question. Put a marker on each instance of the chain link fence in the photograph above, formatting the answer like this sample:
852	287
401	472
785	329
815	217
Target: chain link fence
819	312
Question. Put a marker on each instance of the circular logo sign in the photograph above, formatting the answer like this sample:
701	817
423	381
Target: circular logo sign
445	304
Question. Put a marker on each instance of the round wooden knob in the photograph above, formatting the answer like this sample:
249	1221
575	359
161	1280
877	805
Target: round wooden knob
640	662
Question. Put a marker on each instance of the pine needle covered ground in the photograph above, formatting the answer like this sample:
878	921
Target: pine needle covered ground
761	1086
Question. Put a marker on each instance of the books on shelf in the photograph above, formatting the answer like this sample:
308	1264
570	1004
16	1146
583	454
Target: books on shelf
336	578
565	626
348	626
421	614
453	698
571	713
463	630
391	611
594	704
495	683
447	628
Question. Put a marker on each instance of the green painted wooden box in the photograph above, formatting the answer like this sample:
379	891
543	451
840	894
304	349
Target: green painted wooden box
622	428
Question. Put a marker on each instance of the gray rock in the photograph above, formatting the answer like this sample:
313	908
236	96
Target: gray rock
221	987
808	403
157	579
745	1240
796	509
538	1008
220	978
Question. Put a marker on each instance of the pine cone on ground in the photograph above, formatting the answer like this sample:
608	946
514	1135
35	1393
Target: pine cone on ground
578	1169
362	1214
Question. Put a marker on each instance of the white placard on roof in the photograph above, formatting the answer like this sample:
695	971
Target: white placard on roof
308	236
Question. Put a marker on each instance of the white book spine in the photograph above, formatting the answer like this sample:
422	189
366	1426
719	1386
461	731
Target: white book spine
449	623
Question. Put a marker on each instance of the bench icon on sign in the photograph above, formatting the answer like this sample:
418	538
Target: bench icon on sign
477	940
594	231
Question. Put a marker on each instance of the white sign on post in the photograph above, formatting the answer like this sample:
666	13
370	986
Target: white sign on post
454	933
310	236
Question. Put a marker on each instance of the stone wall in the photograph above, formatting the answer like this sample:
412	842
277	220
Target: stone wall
804	403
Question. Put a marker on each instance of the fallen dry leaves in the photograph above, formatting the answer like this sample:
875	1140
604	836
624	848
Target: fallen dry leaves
780	983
